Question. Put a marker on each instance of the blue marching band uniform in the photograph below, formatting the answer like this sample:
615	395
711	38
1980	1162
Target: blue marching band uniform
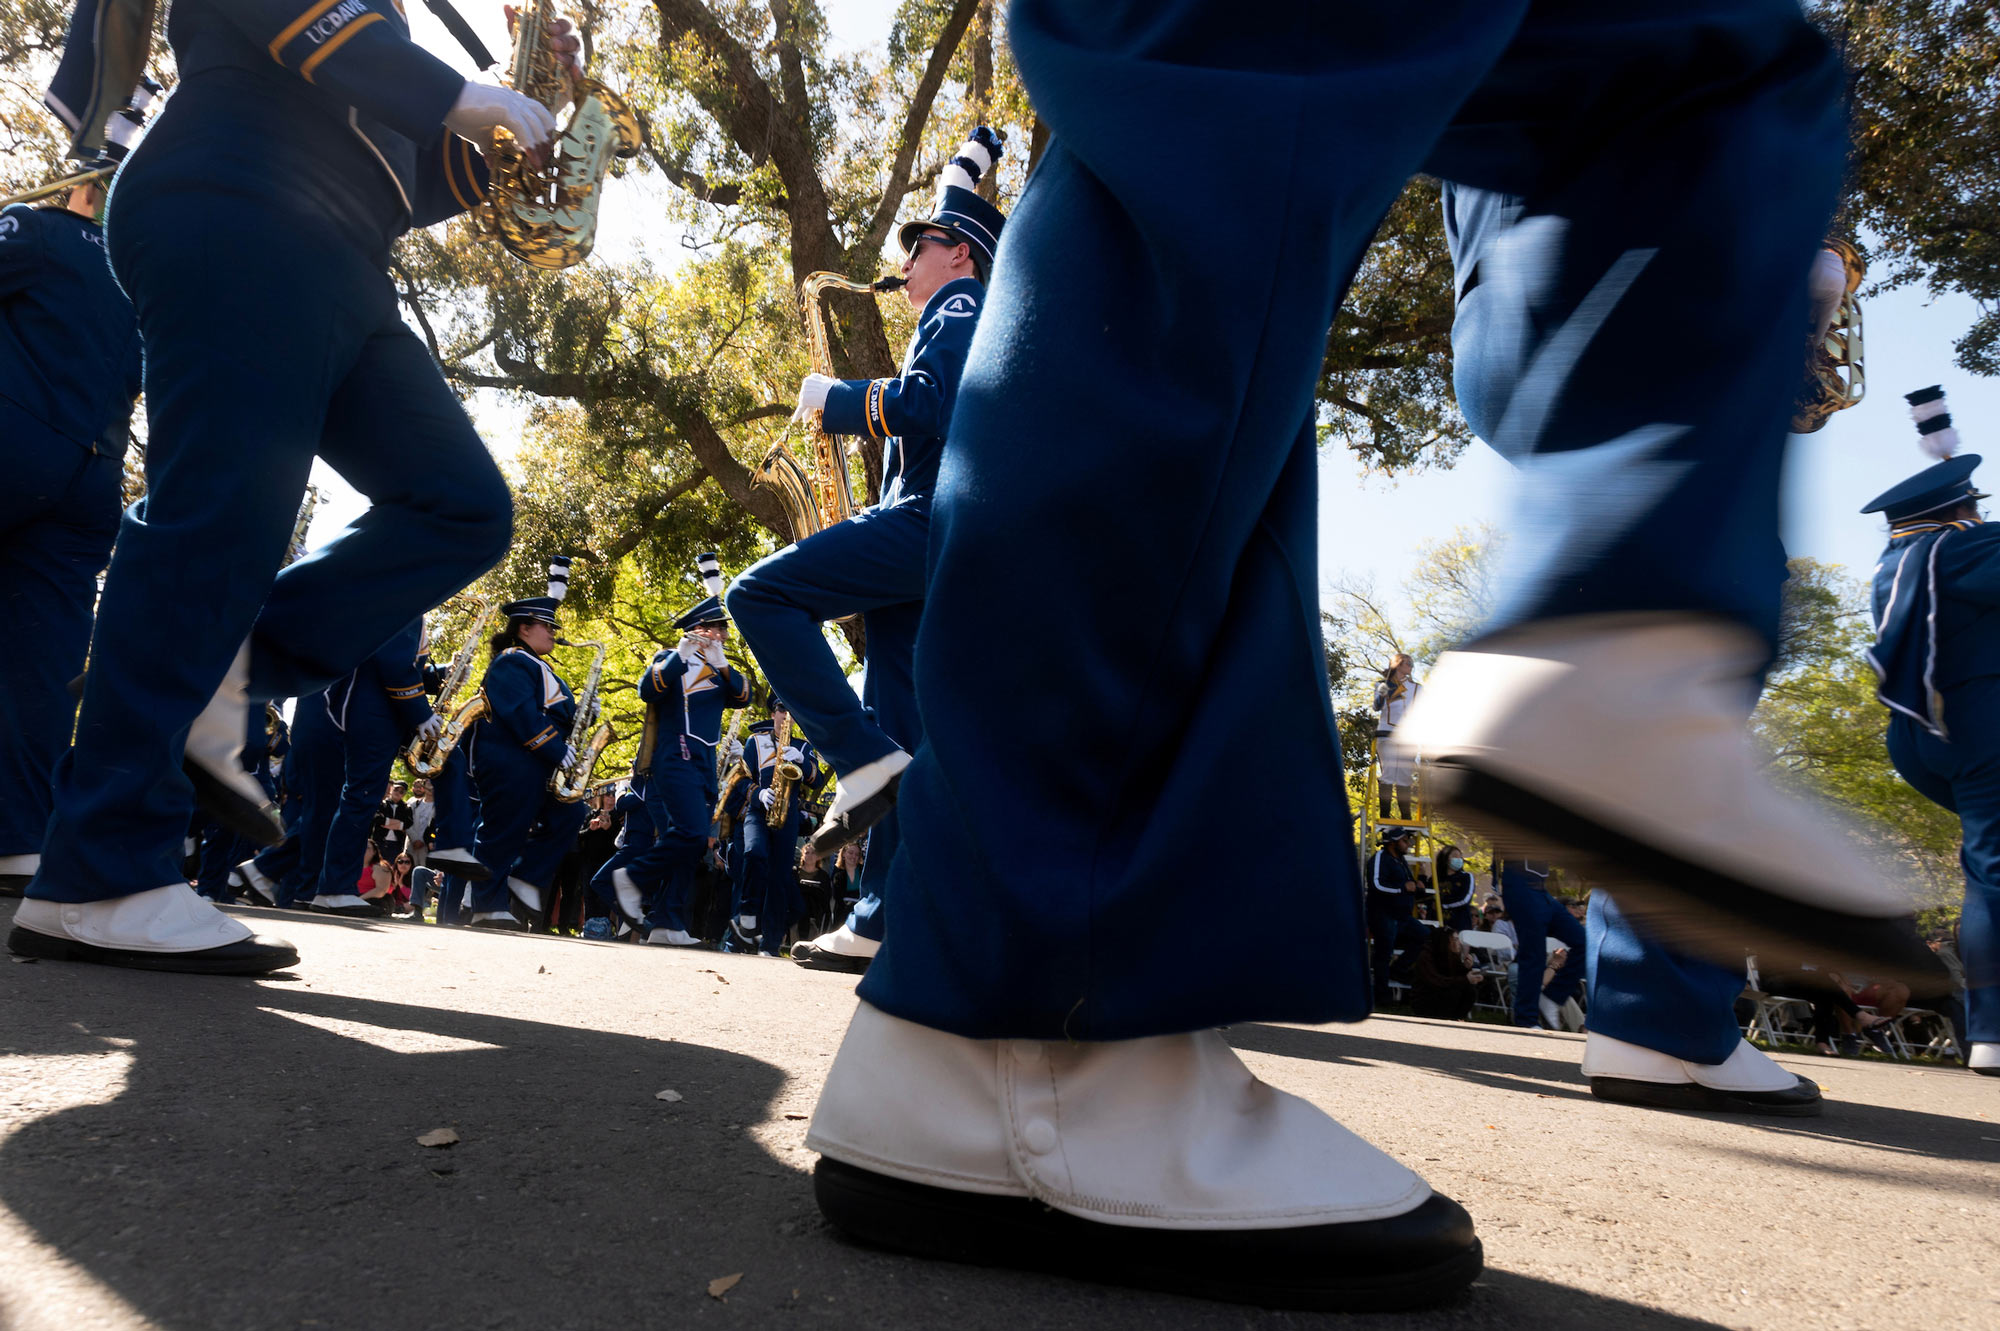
768	900
69	371
1033	1070
518	746
1936	598
873	564
686	689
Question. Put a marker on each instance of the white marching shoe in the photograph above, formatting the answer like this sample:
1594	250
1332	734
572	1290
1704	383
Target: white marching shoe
1984	1059
1749	1081
1617	745
171	928
865	794
498	919
671	938
530	896
349	905
1158	1162
213	760
459	863
1552	1016
260	889
630	899
840	950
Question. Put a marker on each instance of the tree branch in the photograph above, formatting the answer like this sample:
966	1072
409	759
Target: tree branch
914	119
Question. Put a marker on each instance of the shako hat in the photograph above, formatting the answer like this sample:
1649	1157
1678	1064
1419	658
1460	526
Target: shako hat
542	609
1943	485
959	209
709	609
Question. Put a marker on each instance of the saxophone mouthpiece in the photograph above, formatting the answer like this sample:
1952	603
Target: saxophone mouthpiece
891	284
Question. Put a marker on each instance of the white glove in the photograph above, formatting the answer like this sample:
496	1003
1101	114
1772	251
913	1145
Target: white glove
792	755
482	108
430	728
689	647
764	797
568	756
711	652
812	394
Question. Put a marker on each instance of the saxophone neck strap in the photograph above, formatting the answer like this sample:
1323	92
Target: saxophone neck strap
456	25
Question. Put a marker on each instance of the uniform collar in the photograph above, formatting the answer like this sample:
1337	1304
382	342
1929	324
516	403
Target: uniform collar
969	285
1919	526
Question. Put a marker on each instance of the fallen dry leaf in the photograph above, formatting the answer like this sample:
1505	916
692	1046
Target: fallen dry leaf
438	1137
798	1117
671	1096
721	1285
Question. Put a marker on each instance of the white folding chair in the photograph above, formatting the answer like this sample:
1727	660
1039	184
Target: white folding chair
1493	951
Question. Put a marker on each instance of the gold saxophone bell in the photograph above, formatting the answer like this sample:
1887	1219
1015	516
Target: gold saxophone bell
818	498
427	757
546	216
571	782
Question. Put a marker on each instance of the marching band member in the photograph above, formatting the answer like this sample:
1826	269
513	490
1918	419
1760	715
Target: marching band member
288	873
523	741
69	370
1937	652
304	137
873	563
686	689
768	889
1537	917
1033	1076
635	838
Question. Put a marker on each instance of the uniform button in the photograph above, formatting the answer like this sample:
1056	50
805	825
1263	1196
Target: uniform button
1040	1136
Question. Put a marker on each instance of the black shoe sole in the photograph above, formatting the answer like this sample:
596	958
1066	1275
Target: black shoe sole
351	912
519	926
1802	1101
817	959
1414	1260
259	821
1686	905
854	824
250	956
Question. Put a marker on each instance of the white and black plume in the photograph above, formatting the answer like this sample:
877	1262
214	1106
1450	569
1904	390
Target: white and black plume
710	565
1935	433
974	158
559	577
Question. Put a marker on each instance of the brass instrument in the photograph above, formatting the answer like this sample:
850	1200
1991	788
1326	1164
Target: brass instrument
738	774
1834	380
296	549
426	757
731	745
547	216
89	177
784	775
816	499
571	782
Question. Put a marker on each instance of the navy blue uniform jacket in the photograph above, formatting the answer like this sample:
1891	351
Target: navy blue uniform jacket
69	342
1937	615
912	410
531	706
394	672
677	706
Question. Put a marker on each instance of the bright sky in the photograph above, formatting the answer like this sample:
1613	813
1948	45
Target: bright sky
1370	526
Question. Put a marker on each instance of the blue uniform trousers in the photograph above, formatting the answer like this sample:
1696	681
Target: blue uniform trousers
221	851
313	779
524	831
770	883
1127	392
58	517
634	840
1648	995
369	745
871	562
1537	917
301	351
680	796
1963	775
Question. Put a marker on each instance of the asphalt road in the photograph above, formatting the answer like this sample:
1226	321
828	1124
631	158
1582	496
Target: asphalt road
210	1154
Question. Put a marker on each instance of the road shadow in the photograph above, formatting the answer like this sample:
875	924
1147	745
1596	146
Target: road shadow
1896	1129
252	1164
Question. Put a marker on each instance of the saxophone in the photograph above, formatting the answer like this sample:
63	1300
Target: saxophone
426	757
816	499
571	782
547	216
1834	380
784	775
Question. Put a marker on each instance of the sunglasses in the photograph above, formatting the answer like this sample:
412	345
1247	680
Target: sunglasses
917	245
